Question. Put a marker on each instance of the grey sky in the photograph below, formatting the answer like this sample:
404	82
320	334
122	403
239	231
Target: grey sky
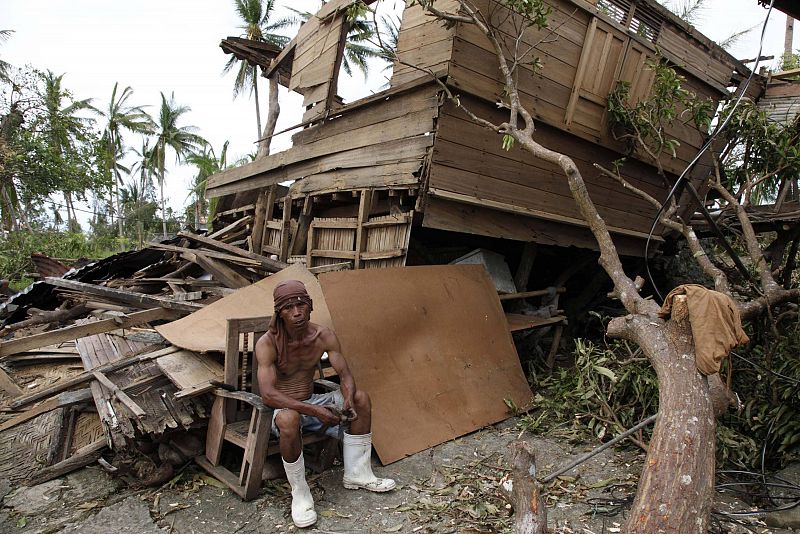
173	45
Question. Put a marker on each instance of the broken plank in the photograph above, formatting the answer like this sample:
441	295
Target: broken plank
64	399
210	253
8	385
517	321
82	457
189	295
126	297
119	394
244	221
268	264
187	369
220	271
341	266
69	333
87	376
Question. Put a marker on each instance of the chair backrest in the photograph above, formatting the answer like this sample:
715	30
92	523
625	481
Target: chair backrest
241	366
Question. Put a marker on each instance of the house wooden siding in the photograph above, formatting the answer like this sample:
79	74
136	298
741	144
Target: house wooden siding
410	138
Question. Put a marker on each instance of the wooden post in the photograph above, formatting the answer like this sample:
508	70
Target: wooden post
286	224
364	208
523	273
259	216
299	240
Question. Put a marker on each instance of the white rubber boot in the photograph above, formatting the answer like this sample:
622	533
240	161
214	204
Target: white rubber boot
303	513
357	465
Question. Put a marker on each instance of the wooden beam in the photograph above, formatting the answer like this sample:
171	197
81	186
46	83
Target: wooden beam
527	294
523	273
220	271
87	376
119	394
267	263
126	297
69	333
210	253
285	228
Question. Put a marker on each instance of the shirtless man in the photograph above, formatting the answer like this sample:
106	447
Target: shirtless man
287	358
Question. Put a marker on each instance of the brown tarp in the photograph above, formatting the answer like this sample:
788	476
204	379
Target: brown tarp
204	330
431	346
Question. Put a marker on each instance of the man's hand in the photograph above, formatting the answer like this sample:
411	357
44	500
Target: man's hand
348	413
326	415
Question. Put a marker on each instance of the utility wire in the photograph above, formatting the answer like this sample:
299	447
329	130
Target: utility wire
714	134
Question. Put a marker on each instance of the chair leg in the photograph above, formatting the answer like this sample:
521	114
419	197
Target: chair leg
215	434
255	452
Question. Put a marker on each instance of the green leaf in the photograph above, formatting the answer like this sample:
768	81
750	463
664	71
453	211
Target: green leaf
508	142
605	371
21	522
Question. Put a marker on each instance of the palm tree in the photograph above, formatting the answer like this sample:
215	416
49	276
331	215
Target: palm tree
254	15
120	116
207	164
141	188
181	139
64	127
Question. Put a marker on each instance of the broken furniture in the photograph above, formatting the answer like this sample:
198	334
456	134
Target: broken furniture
546	315
241	418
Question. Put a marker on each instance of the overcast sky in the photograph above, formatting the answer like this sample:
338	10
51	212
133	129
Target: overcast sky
173	45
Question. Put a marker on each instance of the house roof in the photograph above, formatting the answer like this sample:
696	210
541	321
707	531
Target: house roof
790	7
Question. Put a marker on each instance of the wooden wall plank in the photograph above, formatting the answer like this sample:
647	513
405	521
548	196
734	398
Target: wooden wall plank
467	218
410	148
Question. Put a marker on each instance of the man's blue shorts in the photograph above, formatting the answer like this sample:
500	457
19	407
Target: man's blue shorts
312	424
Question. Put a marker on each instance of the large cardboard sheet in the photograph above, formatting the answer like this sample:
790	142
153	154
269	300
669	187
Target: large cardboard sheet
431	346
204	330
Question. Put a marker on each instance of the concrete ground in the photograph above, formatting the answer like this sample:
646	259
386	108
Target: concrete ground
450	488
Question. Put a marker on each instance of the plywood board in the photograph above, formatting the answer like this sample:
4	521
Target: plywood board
204	330
187	369
431	346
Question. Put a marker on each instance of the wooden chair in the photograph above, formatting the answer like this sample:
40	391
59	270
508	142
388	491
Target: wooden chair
240	417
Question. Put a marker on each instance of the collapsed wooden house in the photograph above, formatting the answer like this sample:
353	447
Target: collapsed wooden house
371	176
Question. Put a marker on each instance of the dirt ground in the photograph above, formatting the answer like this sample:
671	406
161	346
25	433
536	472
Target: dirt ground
451	488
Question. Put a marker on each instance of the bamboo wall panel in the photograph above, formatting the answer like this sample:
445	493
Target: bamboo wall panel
334	240
273	230
391	238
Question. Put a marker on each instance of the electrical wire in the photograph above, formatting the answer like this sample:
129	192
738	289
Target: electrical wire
714	134
762	368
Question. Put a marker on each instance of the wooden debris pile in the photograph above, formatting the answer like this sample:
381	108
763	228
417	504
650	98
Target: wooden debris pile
82	369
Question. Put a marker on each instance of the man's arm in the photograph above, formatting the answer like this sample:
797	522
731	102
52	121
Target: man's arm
272	397
335	357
